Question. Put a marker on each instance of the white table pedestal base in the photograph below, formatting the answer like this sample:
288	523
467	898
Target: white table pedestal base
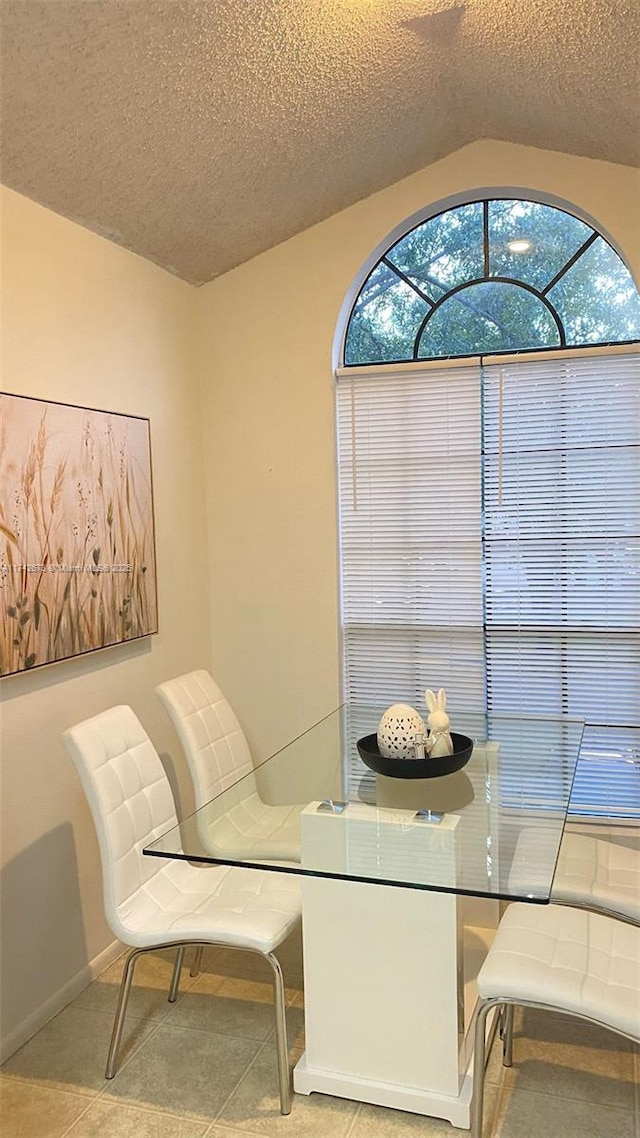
385	1000
307	1079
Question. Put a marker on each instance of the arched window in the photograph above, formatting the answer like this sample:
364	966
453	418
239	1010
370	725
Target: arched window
489	495
498	275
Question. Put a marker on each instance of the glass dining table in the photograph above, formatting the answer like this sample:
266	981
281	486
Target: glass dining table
402	882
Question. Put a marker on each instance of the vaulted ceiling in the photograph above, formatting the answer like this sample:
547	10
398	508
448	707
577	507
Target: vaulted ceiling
200	132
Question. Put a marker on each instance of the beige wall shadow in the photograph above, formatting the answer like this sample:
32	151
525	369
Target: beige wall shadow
42	877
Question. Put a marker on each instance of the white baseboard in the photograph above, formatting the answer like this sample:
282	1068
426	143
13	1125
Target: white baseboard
59	1000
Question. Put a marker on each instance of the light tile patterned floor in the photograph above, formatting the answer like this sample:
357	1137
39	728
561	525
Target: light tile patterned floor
205	1067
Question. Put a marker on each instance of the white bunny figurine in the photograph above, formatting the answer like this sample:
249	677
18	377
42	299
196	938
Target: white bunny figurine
439	740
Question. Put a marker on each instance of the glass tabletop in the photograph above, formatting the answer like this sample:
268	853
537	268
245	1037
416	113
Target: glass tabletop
491	829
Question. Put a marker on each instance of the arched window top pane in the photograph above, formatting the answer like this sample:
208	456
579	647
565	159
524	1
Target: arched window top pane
552	237
597	299
488	317
445	252
386	319
497	275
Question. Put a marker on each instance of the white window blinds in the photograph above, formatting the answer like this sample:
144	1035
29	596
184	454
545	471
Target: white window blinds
562	545
490	544
562	558
410	521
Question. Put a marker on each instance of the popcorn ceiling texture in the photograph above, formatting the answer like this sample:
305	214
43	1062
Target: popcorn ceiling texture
199	134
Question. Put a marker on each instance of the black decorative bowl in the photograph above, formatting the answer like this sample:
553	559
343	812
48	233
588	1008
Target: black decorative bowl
415	768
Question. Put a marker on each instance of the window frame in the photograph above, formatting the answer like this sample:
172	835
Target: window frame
484	196
562	351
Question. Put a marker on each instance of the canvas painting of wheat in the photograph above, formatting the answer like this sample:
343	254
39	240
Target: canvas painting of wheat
77	551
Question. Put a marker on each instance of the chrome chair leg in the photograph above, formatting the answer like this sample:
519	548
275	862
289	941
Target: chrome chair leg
121	1010
507	1037
197	961
479	1063
175	978
281	1034
278	998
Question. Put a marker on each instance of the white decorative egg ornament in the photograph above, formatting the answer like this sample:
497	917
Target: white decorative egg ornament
397	729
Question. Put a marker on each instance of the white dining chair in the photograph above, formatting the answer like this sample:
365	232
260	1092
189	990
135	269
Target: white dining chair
591	873
558	959
152	903
218	756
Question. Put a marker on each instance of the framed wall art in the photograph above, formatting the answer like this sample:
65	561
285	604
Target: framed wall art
77	546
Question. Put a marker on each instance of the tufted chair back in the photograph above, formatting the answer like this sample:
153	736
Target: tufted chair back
130	799
211	737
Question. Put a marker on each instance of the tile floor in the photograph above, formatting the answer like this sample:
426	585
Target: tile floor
205	1068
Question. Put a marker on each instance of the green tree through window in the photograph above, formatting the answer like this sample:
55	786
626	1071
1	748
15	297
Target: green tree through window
493	276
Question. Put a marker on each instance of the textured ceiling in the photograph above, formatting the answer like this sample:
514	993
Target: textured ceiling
201	133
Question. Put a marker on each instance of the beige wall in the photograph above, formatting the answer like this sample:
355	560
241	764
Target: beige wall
86	322
267	331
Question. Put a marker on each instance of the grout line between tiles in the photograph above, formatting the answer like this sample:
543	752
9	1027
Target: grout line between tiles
512	1083
222	1034
244	1075
142	1110
233	1131
355	1118
507	1089
80	1116
125	1063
